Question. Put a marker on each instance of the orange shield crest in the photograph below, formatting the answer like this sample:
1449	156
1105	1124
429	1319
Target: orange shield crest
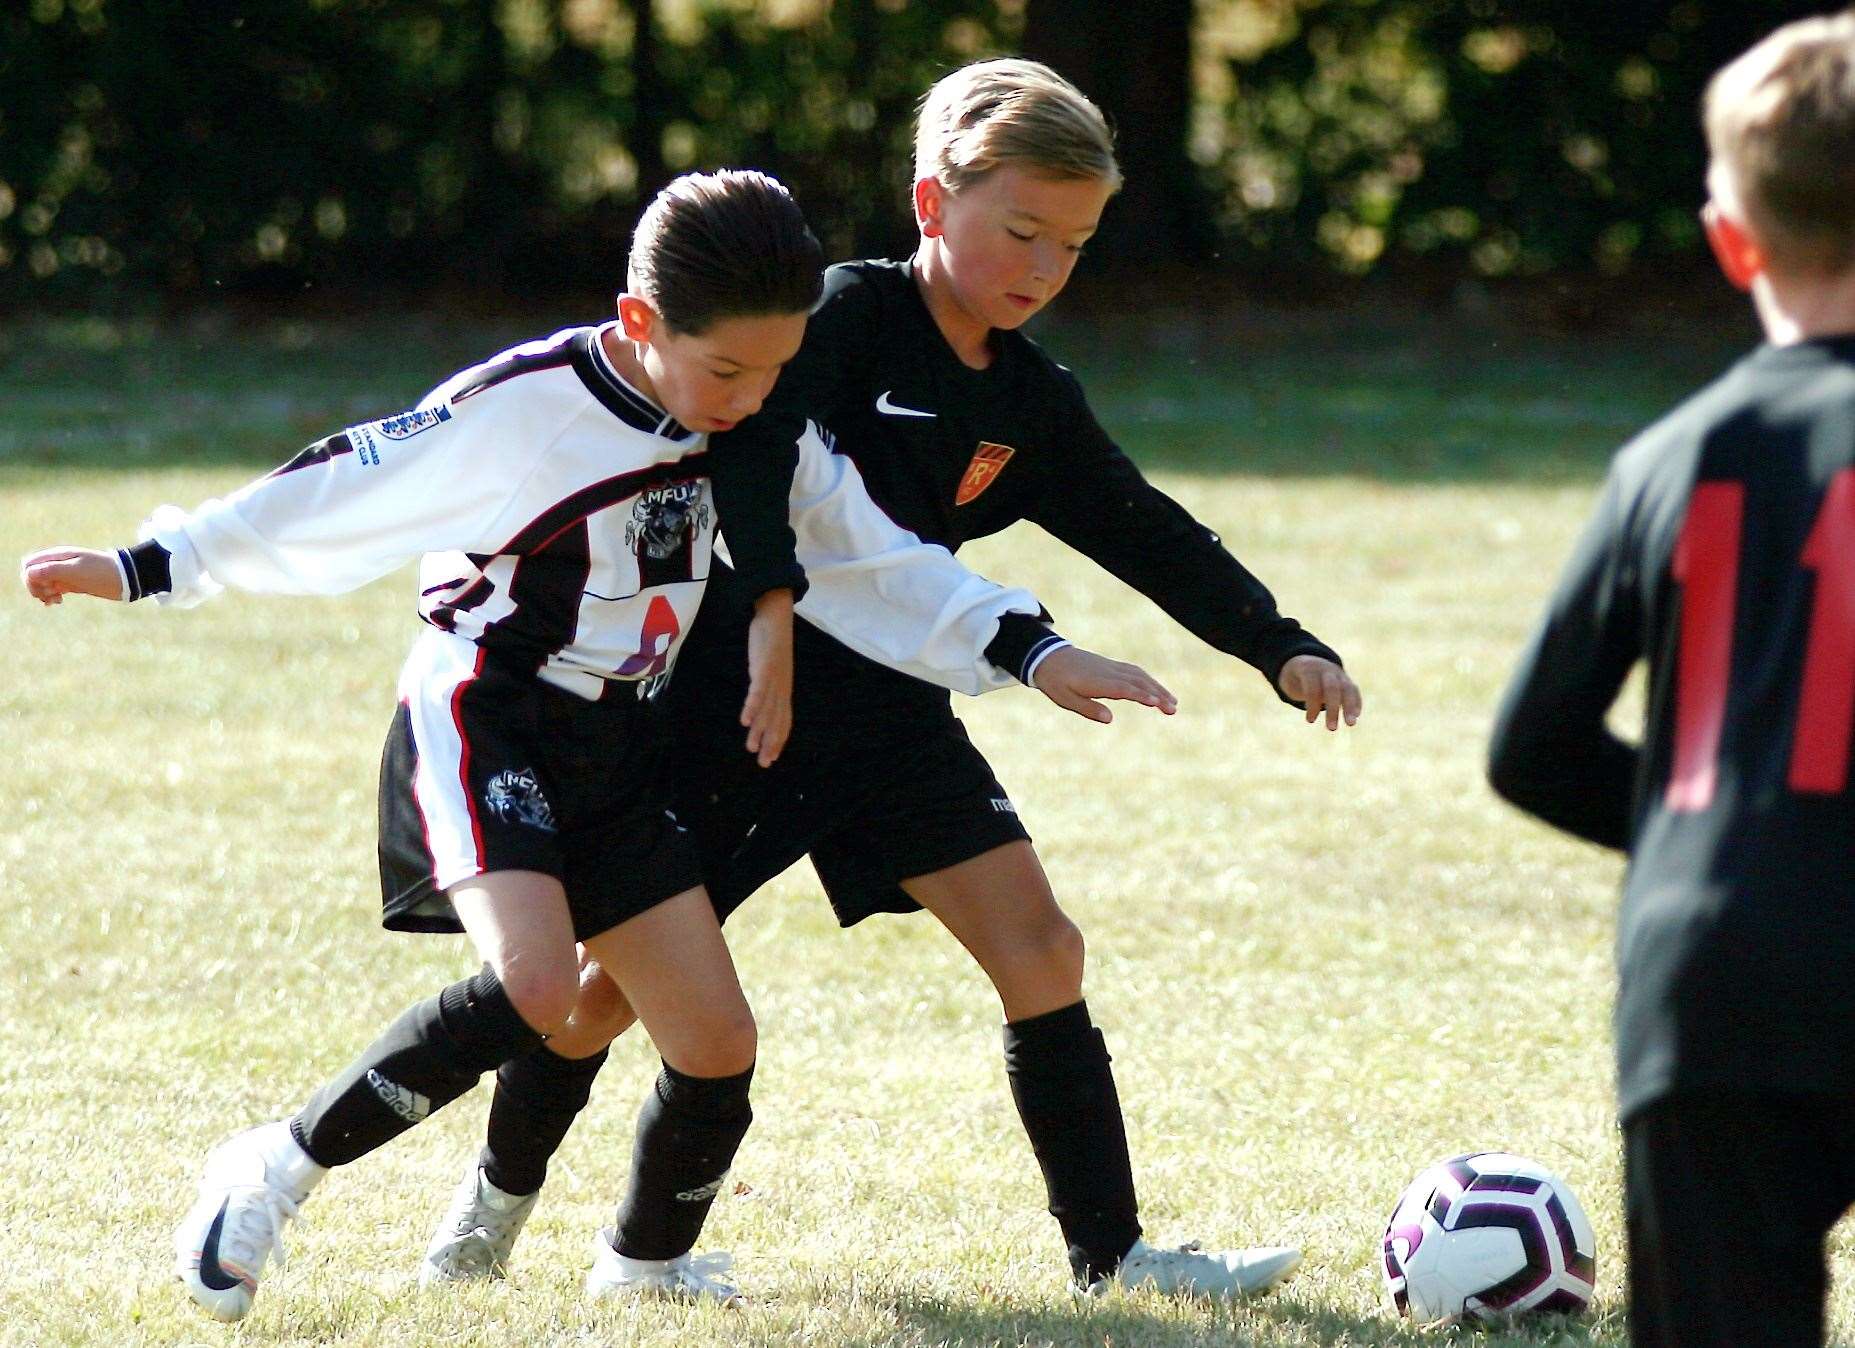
988	462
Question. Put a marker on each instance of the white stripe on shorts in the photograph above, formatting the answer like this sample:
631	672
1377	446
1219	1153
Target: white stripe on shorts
431	684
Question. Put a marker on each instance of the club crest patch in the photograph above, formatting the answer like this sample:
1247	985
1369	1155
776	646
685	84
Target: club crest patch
664	521
515	798
988	462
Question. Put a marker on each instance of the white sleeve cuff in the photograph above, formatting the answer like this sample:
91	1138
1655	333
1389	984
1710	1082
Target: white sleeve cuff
1042	651
122	574
188	582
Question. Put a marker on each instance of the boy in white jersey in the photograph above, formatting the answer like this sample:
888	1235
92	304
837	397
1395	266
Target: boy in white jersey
560	497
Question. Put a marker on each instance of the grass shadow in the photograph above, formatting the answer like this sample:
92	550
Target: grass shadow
1142	1322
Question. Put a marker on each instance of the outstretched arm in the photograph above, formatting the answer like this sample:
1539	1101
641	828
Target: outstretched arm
348	509
1100	504
880	590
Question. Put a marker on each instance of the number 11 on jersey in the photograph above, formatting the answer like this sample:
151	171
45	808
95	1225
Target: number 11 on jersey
1706	562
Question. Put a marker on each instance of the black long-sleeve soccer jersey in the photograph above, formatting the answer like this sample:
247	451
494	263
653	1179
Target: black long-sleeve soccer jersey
954	453
1723	553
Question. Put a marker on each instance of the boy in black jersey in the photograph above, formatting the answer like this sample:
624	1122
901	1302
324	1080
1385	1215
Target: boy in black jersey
960	427
1723	553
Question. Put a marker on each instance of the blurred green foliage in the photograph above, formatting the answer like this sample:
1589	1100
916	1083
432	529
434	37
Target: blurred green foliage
504	143
187	145
1507	136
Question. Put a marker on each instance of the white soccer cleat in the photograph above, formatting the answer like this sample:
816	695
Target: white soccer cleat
688	1277
473	1242
252	1185
1186	1270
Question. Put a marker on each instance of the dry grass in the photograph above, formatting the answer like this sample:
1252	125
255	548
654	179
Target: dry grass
1322	962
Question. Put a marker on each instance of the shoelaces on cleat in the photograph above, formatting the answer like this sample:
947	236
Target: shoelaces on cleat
257	1222
476	1257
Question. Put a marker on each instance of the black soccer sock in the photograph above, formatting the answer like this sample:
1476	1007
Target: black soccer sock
1057	1064
538	1095
688	1132
432	1054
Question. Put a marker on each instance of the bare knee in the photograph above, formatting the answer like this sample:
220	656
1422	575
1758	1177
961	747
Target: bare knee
542	989
599	1017
1050	952
722	1044
1036	967
601	1003
1062	949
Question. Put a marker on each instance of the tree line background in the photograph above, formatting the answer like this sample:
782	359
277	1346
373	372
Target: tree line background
198	147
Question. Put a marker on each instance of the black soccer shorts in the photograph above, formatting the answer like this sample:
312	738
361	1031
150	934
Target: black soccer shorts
876	793
488	770
1729	1197
870	819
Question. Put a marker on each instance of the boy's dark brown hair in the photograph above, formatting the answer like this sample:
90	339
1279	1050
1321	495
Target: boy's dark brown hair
730	244
1781	130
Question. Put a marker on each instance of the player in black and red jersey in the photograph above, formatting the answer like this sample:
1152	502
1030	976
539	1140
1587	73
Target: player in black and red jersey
960	427
1723	554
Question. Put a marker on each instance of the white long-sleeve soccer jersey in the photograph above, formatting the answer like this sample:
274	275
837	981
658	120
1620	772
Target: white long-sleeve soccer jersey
567	525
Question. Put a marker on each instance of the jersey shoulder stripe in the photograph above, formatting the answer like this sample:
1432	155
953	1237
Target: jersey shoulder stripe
581	350
549	354
596	496
320	452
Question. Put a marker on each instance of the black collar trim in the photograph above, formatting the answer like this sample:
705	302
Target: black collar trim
618	397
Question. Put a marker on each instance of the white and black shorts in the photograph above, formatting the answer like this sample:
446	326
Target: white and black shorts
487	769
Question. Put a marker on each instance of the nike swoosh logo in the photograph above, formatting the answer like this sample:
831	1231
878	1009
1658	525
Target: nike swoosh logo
211	1273
884	405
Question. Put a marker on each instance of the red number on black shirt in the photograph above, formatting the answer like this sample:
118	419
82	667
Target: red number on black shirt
1820	753
1706	562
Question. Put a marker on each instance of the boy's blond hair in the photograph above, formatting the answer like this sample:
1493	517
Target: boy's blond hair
1781	129
1008	111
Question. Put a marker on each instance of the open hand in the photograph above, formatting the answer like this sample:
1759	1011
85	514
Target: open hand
51	573
1322	686
1073	678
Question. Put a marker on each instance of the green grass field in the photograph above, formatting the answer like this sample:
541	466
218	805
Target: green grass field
1322	961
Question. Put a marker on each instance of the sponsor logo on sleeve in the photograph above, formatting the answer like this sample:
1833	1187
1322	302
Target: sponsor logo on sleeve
988	462
366	448
408	424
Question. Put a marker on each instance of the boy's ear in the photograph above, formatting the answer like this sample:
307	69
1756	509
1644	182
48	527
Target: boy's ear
1733	246
636	318
930	201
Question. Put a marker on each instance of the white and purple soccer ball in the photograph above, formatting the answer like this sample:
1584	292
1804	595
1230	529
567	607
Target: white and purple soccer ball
1487	1237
